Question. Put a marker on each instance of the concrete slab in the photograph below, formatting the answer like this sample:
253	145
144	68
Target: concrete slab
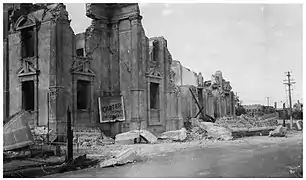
147	136
127	137
280	131
124	157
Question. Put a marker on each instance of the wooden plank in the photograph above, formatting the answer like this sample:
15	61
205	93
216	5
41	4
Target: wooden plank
201	108
199	112
196	101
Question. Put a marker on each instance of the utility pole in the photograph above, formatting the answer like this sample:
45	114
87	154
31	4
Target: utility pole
284	115
289	82
268	98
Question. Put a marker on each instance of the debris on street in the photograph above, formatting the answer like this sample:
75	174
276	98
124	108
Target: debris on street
280	131
40	133
299	125
147	136
125	157
129	137
135	136
212	130
17	133
196	133
245	121
177	135
216	132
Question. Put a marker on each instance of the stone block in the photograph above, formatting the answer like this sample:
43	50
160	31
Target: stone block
299	124
125	157
127	137
280	131
178	135
147	136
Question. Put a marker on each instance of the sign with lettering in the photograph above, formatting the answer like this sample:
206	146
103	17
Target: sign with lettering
111	109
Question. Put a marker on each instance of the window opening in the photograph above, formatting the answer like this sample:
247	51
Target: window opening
80	52
28	95
155	51
82	94
154	95
27	39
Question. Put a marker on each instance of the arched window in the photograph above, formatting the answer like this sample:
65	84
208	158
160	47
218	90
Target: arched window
27	39
26	25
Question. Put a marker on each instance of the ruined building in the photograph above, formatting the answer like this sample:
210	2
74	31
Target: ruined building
215	96
48	69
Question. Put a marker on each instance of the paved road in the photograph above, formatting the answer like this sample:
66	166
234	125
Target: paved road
254	157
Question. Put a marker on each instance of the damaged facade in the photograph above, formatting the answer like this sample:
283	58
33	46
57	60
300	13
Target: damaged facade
47	68
215	96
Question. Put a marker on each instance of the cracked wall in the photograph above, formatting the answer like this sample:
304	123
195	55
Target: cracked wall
48	67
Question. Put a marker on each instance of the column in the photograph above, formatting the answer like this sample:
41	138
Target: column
135	60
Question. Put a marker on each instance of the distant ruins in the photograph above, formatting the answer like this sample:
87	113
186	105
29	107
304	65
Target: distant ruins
47	68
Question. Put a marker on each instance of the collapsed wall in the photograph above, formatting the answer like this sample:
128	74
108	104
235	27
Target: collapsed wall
215	97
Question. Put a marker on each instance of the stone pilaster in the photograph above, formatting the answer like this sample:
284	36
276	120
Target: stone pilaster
114	58
58	73
135	61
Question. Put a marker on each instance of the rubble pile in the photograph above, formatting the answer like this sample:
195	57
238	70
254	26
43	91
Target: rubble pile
90	136
135	136
207	130
86	140
196	133
244	121
40	134
176	135
269	122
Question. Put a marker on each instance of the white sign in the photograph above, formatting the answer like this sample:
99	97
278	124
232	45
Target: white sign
111	109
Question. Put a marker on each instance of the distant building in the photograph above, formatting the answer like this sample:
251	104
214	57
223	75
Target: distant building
257	109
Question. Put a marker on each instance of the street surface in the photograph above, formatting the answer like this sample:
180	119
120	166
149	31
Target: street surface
254	157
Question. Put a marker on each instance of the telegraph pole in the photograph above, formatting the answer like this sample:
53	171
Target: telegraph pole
289	82
268	100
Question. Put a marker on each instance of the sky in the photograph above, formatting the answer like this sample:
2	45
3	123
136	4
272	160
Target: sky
252	44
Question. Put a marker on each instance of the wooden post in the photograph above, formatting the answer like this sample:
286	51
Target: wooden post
284	115
69	156
200	108
48	106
